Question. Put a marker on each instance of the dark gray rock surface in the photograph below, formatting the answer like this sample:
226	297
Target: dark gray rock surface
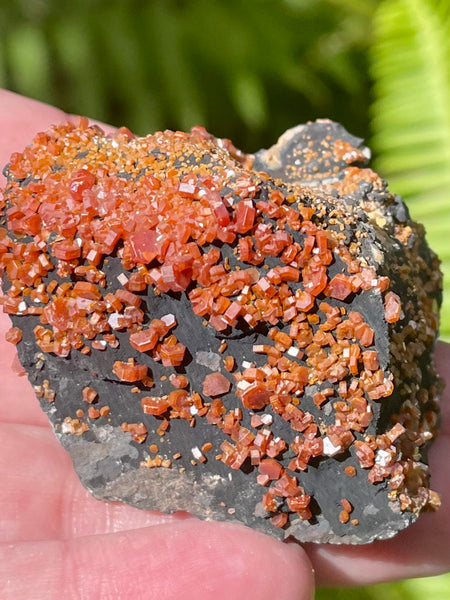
108	461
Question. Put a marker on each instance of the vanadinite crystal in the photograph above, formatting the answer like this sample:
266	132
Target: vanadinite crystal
242	337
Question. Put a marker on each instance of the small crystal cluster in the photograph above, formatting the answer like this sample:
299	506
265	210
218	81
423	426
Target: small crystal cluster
184	213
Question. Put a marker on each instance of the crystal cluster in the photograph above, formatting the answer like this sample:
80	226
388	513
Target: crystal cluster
264	322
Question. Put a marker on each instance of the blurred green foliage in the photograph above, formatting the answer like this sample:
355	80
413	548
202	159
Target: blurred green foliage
248	70
429	588
245	70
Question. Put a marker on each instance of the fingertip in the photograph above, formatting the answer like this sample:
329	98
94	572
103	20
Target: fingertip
265	568
188	559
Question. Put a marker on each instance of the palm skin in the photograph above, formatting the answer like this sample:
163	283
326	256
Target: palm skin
58	542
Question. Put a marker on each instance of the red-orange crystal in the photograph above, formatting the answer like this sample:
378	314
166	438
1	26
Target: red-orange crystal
215	384
152	405
13	335
392	307
129	372
144	340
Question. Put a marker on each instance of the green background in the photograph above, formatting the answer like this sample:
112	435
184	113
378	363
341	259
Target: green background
248	70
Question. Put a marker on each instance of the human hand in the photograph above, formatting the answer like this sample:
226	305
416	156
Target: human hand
57	541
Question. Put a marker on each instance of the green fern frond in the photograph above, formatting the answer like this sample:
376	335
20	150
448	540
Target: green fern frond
410	61
411	112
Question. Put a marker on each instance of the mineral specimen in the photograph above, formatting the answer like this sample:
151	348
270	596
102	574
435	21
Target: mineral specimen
242	337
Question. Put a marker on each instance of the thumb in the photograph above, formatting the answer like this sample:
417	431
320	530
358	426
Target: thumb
186	559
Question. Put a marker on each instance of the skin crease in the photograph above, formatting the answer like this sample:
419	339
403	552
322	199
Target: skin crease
58	542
